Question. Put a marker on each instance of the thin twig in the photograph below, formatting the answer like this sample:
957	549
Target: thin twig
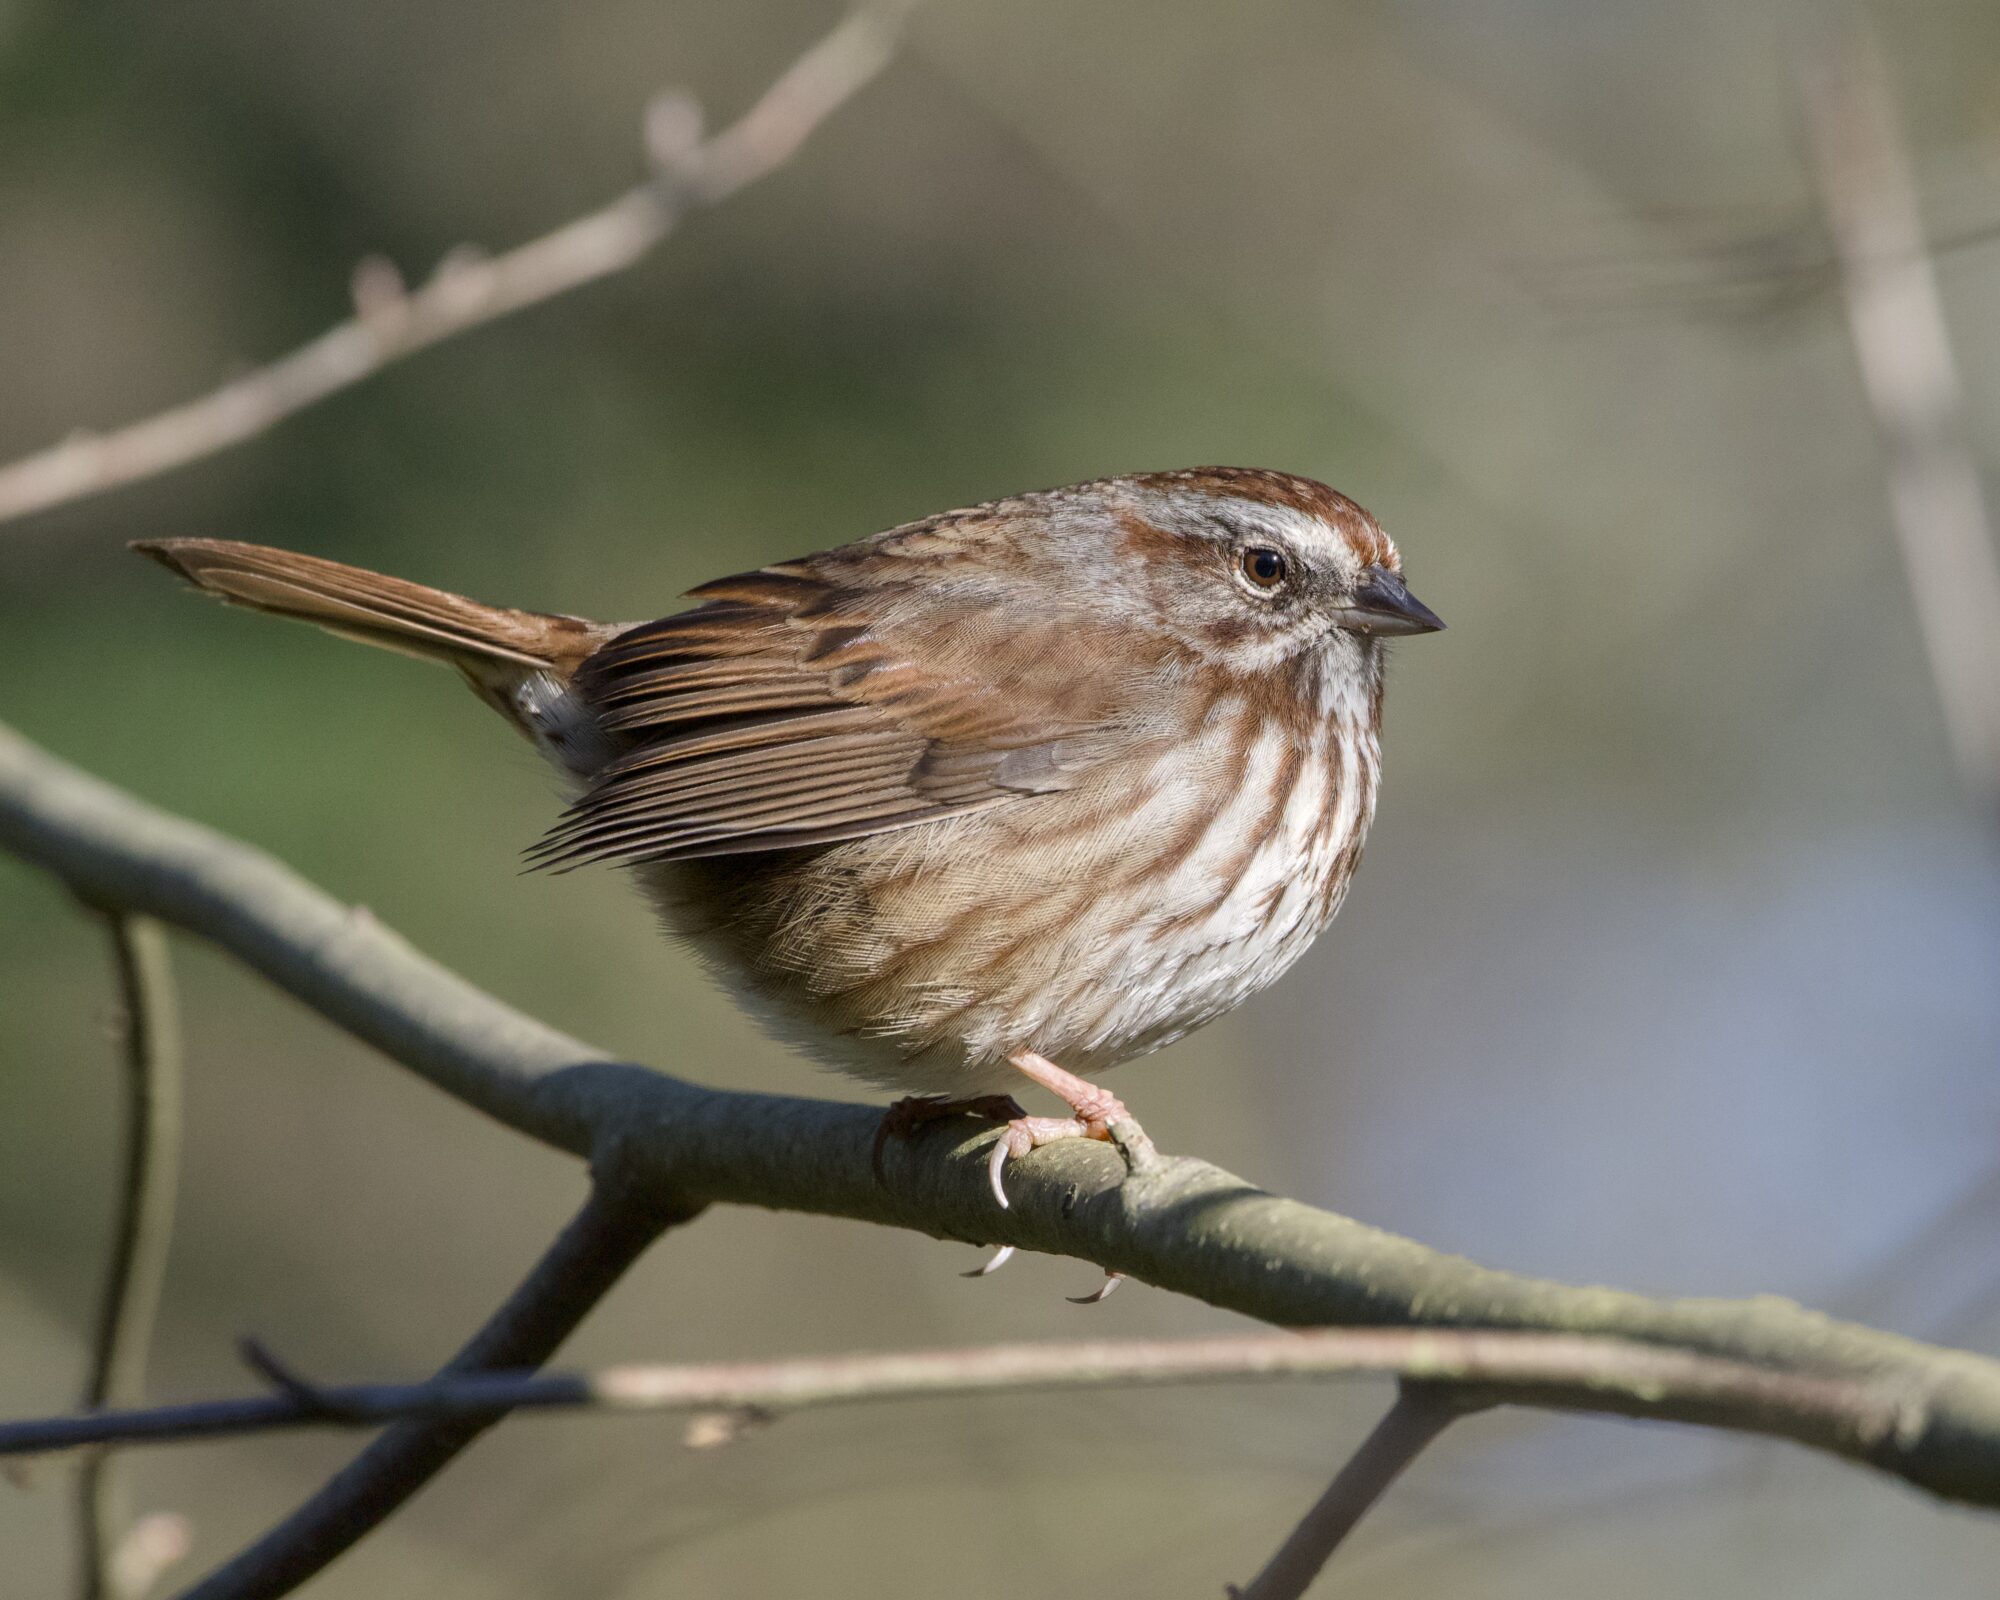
151	1027
1896	317
1840	1413
468	289
1418	1416
1187	1226
611	1231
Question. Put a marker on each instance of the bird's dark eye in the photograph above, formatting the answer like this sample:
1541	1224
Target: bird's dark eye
1264	567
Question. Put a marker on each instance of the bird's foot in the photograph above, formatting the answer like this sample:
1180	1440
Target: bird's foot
1095	1111
1094	1114
915	1112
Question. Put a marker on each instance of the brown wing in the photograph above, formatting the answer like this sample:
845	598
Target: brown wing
797	708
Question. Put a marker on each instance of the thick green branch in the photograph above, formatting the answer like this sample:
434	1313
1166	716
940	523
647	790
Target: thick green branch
1188	1226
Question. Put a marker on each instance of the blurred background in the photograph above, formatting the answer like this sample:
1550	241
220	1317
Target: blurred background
1675	962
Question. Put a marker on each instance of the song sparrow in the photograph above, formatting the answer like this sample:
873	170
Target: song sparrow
1053	779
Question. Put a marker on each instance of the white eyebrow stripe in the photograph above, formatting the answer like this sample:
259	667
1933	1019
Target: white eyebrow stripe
1218	517
1284	526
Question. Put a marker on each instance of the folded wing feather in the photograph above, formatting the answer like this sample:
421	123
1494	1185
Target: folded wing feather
793	707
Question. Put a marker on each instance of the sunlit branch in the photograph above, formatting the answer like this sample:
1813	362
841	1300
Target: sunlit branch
470	289
1563	1370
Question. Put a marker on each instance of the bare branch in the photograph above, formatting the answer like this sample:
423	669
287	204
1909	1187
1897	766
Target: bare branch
145	1225
1419	1415
1896	317
612	1230
1844	1415
469	289
1186	1226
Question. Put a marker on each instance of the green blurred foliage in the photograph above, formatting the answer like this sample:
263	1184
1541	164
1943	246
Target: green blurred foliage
1672	961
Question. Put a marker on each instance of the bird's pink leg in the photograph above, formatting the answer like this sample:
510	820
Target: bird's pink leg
1095	1110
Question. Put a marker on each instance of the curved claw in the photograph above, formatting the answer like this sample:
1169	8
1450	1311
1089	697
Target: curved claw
1000	1259
1102	1292
995	1165
918	1111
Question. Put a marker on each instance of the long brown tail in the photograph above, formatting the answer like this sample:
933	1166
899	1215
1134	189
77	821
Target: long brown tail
431	624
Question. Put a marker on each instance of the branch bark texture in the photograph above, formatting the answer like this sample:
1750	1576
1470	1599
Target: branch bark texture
1185	1226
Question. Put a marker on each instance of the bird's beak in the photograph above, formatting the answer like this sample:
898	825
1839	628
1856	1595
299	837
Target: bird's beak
1382	604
